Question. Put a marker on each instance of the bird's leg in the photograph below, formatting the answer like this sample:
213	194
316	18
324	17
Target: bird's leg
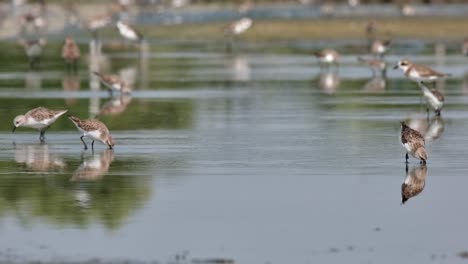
427	111
437	112
406	168
85	146
407	157
92	146
41	135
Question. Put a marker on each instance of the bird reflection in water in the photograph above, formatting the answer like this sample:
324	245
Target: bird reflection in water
375	85
95	167
71	83
414	182
435	129
115	106
239	68
431	129
329	81
38	157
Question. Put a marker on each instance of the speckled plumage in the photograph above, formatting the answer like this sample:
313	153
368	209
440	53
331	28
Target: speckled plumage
39	118
413	142
94	129
70	51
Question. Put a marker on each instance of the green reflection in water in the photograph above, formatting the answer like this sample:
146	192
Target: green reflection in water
64	191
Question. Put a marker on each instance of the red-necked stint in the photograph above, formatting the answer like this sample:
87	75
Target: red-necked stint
239	26
94	129
70	52
414	143
433	97
419	73
380	47
414	182
114	83
39	118
128	32
327	57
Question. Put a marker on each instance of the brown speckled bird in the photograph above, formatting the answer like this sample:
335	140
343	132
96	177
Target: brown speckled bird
414	143
94	129
70	53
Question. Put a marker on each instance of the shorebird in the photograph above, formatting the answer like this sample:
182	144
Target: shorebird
327	57
98	22
39	118
128	32
414	182
37	21
418	72
236	28
70	52
414	143
239	26
94	129
376	65
114	83
380	47
33	49
434	98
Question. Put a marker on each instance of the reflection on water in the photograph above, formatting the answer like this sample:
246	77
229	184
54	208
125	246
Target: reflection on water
115	106
95	167
435	129
33	81
129	75
375	85
414	182
430	129
329	82
71	83
194	139
38	157
239	67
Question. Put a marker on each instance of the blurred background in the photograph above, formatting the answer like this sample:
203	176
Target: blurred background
254	132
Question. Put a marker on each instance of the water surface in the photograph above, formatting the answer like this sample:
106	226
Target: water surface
244	157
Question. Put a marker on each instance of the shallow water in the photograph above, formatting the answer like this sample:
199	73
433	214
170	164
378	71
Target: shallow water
248	157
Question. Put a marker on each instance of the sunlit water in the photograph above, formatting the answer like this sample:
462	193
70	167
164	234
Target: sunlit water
247	157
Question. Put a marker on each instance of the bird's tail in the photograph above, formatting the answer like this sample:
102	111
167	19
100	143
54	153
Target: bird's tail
421	154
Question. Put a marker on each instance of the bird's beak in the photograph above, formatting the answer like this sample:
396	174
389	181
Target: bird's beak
395	67
14	128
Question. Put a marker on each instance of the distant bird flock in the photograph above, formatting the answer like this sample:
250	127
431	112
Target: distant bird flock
41	118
